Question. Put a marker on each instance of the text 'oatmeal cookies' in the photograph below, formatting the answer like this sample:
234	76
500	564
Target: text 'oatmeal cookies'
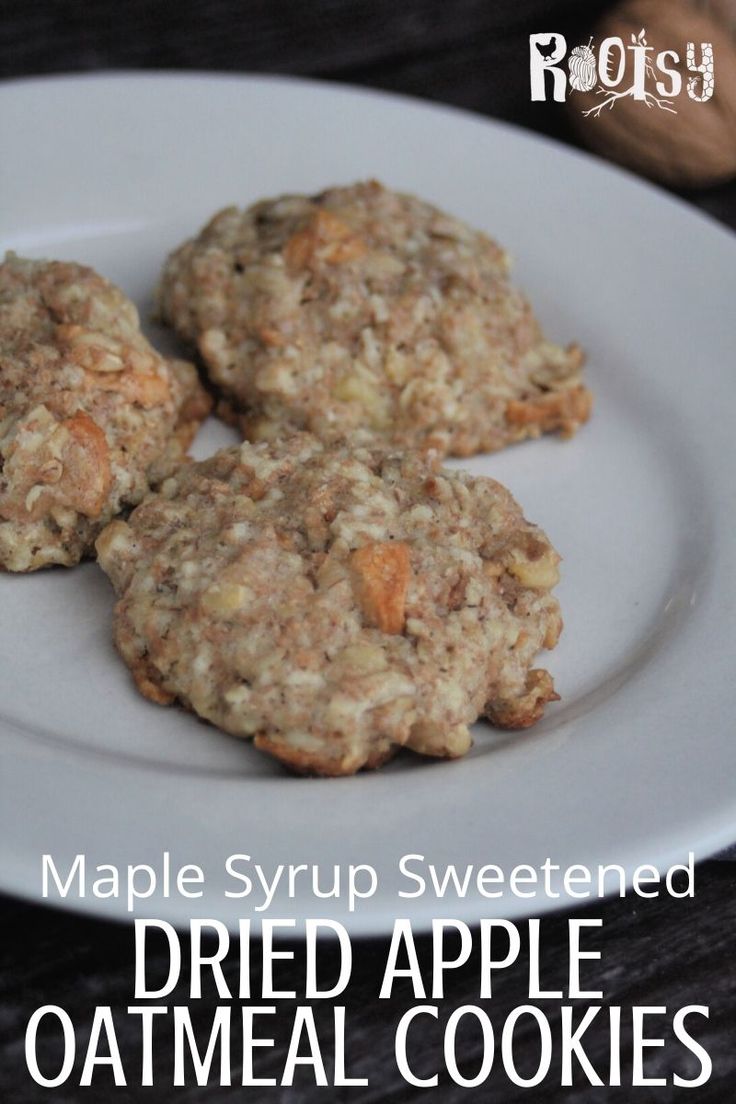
335	605
361	312
91	416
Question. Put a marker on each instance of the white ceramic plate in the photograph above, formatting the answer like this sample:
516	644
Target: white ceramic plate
638	762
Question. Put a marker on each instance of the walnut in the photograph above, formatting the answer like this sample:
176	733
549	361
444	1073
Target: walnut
722	10
690	144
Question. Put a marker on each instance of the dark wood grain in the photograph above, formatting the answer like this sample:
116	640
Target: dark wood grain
472	53
654	953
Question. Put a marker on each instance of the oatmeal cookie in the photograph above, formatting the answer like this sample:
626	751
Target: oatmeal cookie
90	414
367	314
335	605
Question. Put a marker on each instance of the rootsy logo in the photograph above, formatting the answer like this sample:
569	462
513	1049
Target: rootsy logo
620	70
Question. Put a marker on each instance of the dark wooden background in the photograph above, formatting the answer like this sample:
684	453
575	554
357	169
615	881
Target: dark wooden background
655	953
471	53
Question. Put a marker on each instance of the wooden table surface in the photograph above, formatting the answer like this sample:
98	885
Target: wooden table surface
661	953
655	953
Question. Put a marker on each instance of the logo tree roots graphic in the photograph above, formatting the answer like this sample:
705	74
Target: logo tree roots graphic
636	89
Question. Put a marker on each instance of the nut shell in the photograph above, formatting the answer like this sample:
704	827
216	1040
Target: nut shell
695	147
